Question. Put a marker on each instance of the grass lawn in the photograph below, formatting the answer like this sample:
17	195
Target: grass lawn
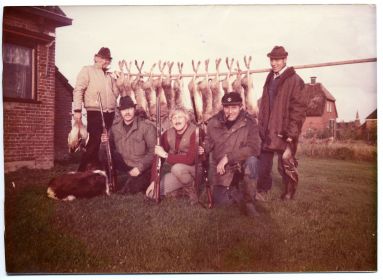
331	225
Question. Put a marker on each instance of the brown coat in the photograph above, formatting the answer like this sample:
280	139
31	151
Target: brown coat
238	143
288	113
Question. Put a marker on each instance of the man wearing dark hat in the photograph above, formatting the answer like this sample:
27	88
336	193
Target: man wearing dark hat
281	116
132	140
91	80
232	137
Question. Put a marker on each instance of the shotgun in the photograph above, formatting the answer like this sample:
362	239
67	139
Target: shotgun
110	172
205	160
157	181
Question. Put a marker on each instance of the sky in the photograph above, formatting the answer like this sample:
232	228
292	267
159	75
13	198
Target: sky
310	34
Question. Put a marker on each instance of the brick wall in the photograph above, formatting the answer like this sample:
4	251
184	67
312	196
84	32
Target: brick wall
63	108
319	123
29	126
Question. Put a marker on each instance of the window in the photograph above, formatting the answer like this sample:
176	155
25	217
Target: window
18	71
329	107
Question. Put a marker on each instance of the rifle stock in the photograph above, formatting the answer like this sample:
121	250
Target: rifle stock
110	174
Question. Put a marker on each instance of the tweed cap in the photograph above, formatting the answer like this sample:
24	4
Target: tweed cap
104	53
278	52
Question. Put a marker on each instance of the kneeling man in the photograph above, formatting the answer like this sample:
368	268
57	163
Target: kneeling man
232	137
132	141
178	149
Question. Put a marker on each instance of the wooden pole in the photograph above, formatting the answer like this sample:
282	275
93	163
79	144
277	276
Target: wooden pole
305	66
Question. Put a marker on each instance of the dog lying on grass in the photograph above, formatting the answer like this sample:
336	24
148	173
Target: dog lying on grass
74	185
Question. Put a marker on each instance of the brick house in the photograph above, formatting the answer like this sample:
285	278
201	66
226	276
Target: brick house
29	85
368	130
321	113
63	108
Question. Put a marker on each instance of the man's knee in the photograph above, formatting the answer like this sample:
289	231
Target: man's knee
251	167
181	172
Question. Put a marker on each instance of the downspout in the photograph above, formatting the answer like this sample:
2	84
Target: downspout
46	64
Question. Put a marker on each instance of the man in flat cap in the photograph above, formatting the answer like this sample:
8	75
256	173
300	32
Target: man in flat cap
91	80
232	137
281	116
132	140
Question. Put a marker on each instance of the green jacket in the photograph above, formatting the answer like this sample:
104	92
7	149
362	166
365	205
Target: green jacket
137	145
238	143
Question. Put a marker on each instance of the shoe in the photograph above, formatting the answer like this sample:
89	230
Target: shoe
150	191
250	210
259	197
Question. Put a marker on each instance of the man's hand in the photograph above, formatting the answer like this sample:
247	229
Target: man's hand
159	151
287	154
77	116
201	150
134	172
104	137
221	165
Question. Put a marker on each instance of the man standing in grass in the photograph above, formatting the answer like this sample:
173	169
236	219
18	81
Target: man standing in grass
132	141
178	149
91	80
281	115
232	137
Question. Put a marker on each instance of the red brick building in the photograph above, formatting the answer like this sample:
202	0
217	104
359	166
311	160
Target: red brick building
29	85
321	112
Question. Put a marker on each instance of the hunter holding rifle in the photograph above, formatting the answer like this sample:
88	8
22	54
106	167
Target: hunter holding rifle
91	80
178	149
132	140
232	137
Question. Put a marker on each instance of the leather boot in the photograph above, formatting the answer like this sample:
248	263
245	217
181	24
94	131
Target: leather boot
191	192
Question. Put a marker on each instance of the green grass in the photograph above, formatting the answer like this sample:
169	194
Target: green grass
331	225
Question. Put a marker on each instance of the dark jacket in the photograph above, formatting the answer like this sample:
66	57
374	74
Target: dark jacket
238	143
137	145
286	117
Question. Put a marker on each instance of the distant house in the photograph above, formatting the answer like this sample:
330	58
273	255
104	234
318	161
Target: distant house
321	114
368	130
32	86
348	130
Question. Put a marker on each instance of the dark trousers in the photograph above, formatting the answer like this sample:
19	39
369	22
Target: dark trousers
264	182
94	127
130	184
235	193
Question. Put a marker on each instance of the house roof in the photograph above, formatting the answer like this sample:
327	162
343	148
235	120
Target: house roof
317	97
51	14
64	80
373	115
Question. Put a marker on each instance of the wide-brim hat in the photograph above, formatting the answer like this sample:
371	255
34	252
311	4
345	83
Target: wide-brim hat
278	52
104	53
231	98
126	102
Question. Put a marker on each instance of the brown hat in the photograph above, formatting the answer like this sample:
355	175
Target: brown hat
231	98
278	52
104	53
126	102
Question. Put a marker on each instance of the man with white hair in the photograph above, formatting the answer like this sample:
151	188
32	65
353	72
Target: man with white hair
178	149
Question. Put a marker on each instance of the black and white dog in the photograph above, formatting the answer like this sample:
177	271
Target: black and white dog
74	185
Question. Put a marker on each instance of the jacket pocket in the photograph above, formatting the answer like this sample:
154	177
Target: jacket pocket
139	146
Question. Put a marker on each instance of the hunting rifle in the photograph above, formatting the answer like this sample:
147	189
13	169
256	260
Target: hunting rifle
205	160
110	172
157	181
